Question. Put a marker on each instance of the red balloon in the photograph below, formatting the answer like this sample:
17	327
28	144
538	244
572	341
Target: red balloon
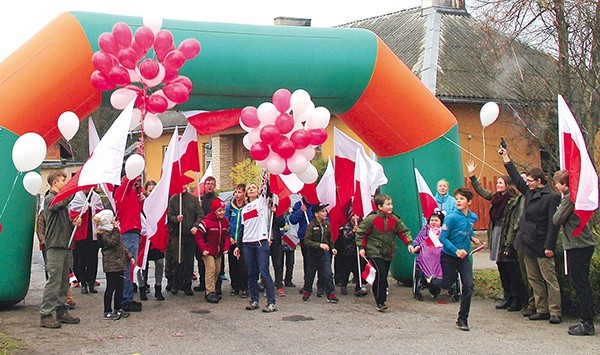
128	57
281	99
119	75
144	37
149	68
141	52
284	147
122	34
301	138
259	151
176	92
249	117
284	123
270	134
102	61
135	88
163	41
101	81
0	227
162	53
174	59
185	81
170	74
140	101
318	136
107	43
190	48
157	103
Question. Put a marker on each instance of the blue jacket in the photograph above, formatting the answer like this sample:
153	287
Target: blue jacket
457	231
298	217
446	203
234	215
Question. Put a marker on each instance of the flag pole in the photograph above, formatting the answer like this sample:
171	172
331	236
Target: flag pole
419	207
359	276
180	196
83	208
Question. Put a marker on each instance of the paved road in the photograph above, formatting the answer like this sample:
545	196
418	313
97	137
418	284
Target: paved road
188	325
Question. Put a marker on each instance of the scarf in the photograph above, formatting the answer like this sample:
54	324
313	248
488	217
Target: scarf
499	202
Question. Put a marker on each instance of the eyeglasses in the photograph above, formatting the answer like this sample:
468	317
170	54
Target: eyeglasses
529	181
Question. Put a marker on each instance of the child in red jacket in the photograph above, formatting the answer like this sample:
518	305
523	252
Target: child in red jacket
213	240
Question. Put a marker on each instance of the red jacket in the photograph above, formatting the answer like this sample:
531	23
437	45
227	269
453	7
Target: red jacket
129	207
213	235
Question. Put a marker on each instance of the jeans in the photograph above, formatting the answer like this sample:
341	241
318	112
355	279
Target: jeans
452	265
131	239
578	261
256	256
319	260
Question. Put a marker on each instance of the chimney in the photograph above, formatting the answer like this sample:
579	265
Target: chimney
292	21
445	4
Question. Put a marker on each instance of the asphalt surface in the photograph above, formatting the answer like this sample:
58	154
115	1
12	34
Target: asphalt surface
188	325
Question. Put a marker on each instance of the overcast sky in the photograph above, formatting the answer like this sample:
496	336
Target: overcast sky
26	17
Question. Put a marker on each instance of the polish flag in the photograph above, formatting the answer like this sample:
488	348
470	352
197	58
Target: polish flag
361	204
209	122
199	190
284	186
291	236
134	273
583	178
156	204
72	278
105	163
188	159
326	192
93	140
428	203
369	273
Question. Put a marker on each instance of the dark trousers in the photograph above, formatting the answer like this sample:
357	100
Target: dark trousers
237	271
288	259
277	261
114	290
349	264
201	269
380	285
304	251
182	278
85	260
451	267
578	262
319	260
512	282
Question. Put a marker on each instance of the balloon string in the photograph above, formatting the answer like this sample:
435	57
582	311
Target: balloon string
483	141
10	193
473	155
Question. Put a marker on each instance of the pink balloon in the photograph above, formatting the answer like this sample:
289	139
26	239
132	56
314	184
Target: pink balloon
284	123
135	88
144	37
301	138
270	134
170	74
259	151
176	92
163	41
128	57
281	99
122	34
174	59
284	147
102	61
184	80
249	117
162	53
119	75
101	81
149	68
141	52
190	48
318	136
140	102
157	103
107	43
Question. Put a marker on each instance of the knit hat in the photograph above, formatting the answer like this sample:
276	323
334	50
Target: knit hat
216	204
104	220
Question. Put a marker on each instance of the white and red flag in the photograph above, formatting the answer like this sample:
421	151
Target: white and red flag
93	140
199	190
187	159
105	163
583	178
326	192
362	203
291	236
209	122
428	203
369	273
284	186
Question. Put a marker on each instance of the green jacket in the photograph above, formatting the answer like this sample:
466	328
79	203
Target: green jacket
58	224
115	257
191	211
377	234
565	216
317	234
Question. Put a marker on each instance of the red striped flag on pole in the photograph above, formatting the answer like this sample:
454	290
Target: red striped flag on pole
428	203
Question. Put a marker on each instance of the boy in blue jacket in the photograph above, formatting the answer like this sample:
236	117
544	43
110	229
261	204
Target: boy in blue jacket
456	236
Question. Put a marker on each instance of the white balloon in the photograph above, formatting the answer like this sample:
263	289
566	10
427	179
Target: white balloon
267	113
319	118
68	124
159	78
275	164
153	23
120	98
489	113
32	182
29	151
308	152
153	126
263	163
134	75
299	100
304	115
136	119
246	141
298	163
310	175
134	165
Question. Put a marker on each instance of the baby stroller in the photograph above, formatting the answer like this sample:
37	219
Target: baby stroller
427	265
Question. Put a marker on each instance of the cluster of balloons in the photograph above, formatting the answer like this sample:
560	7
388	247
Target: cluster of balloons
282	134
29	151
155	83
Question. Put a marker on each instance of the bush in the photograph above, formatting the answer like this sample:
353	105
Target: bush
246	172
487	284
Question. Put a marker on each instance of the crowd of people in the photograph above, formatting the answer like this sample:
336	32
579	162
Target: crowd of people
525	216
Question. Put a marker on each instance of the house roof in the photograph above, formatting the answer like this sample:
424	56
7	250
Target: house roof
461	60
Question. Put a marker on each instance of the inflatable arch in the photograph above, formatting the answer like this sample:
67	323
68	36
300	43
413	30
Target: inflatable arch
349	71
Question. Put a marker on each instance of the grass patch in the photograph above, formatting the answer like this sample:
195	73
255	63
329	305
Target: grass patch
8	344
487	284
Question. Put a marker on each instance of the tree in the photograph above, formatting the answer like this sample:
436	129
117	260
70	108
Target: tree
246	172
